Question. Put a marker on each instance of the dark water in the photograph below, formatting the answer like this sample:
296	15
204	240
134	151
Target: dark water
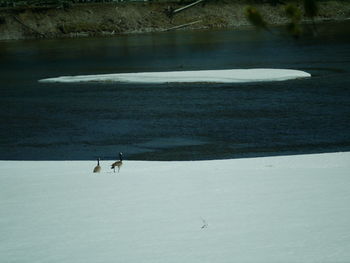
175	122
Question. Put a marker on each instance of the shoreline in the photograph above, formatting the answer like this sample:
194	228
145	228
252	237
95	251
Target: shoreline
339	155
113	19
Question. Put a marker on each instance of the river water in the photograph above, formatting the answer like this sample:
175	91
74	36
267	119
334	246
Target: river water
41	121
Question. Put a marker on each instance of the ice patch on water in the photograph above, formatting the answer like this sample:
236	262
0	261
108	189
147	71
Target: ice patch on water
202	76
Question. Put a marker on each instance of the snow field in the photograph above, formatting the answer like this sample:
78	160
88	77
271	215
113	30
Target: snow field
272	209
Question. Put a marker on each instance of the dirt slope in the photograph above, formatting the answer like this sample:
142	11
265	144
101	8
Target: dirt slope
109	19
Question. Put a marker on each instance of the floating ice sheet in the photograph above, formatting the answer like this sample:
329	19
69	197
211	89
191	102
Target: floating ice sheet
201	76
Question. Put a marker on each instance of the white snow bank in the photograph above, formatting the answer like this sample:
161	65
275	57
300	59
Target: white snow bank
204	76
274	209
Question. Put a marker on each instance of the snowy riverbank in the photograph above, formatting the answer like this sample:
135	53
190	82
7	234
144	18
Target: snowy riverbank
273	209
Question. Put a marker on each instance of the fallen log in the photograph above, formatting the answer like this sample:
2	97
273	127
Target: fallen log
187	6
170	11
183	25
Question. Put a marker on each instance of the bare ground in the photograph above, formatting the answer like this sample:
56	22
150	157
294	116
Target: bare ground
111	19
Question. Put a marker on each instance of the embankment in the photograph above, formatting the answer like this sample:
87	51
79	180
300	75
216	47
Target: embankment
118	18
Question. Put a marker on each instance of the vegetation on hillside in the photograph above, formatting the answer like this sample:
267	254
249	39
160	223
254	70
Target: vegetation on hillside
292	12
